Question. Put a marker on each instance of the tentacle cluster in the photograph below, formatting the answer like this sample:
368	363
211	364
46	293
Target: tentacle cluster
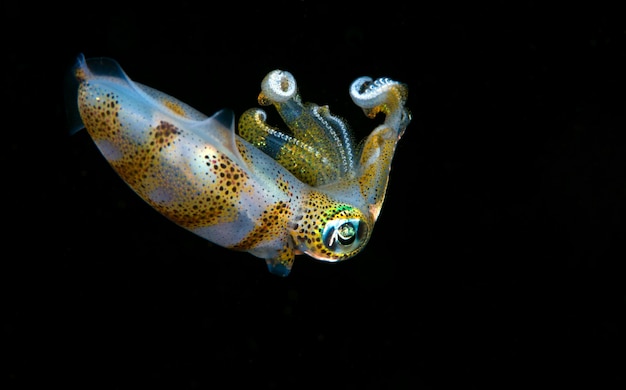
318	147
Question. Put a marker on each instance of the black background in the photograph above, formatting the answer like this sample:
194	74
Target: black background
497	258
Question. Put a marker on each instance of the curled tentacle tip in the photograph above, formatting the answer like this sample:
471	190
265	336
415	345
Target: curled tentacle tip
278	86
358	88
369	93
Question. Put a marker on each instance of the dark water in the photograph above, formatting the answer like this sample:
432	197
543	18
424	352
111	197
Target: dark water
495	262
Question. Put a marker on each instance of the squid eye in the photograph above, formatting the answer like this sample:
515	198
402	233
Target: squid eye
344	235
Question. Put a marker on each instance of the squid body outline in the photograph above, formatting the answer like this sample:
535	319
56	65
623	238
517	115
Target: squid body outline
273	193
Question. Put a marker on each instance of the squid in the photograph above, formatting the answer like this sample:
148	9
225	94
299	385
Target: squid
248	185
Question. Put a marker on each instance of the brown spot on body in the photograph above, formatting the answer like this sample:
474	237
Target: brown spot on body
176	108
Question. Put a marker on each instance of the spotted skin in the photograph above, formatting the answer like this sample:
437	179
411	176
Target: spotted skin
275	194
319	210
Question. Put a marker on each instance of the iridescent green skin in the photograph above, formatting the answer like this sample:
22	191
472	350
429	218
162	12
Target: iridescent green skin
264	191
